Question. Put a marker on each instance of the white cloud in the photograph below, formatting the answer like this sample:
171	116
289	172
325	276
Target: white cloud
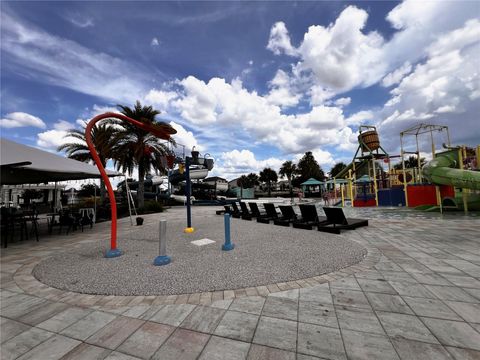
361	117
344	101
51	139
442	88
35	53
79	20
279	41
396	76
160	99
155	42
186	138
282	92
323	157
21	119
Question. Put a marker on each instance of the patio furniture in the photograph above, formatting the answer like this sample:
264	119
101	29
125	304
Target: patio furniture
309	218
288	216
246	215
256	211
337	221
236	213
271	214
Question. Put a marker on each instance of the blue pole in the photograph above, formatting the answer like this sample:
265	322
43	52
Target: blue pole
228	244
189	228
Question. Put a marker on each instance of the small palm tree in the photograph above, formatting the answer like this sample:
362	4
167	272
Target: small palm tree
268	176
288	169
138	148
103	138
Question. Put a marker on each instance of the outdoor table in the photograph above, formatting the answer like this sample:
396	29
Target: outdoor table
87	212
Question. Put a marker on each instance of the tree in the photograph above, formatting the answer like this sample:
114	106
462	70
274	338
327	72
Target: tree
288	169
337	168
88	190
139	148
103	138
252	179
410	163
308	168
31	194
268	176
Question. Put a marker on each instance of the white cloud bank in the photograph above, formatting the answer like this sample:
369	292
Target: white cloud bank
21	119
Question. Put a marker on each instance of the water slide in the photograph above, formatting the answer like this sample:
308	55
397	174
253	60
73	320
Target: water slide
442	171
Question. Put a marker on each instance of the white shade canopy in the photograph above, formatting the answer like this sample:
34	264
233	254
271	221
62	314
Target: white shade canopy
21	164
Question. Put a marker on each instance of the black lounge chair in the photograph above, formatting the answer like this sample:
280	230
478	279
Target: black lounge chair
245	213
288	216
236	213
309	218
256	211
337	221
264	218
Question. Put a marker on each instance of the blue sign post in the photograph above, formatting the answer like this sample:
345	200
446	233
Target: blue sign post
228	244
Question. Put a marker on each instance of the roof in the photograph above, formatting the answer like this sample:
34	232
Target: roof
312	181
336	181
21	164
363	179
214	178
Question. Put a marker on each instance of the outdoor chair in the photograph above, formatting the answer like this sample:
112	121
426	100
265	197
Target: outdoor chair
271	214
32	217
337	221
309	218
256	212
288	216
246	215
236	213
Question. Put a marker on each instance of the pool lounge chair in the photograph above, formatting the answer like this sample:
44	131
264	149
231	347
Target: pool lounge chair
246	215
271	213
337	221
309	218
288	216
236	213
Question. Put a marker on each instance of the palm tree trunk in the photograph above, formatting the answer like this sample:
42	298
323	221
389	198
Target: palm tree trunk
269	189
103	192
141	187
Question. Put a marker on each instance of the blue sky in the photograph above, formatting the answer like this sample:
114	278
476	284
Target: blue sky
251	83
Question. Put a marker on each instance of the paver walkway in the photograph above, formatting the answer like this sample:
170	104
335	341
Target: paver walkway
419	299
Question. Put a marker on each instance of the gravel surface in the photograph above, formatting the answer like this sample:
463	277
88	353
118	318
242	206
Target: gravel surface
263	254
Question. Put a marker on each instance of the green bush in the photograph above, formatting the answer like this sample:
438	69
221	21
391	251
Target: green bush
151	206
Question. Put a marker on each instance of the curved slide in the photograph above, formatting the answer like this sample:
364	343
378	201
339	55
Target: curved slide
439	171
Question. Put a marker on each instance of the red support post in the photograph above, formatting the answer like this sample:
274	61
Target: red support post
162	131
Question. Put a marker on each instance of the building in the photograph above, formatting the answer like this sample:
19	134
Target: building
220	184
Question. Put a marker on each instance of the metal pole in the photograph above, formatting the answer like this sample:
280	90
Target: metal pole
189	228
375	187
403	171
128	201
162	258
419	179
228	244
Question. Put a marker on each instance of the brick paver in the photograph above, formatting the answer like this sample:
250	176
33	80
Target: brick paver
415	296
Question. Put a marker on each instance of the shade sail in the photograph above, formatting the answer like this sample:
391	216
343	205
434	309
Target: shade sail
21	164
312	181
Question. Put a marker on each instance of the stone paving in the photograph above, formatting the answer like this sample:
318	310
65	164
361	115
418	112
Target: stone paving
416	296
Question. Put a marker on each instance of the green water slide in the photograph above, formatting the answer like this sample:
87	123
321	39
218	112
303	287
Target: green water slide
442	171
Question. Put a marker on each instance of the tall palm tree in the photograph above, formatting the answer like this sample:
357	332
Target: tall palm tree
288	169
268	176
103	137
138	148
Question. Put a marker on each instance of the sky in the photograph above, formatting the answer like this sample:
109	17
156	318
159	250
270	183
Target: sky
252	84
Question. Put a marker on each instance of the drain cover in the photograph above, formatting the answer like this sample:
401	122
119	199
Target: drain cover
202	242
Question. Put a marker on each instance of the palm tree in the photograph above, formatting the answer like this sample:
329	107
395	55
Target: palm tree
268	176
103	138
288	169
137	147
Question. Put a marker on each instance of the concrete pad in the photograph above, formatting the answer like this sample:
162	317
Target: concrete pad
88	325
276	333
463	354
282	308
220	348
182	345
469	312
318	314
363	346
259	352
248	304
454	333
115	333
350	298
23	342
320	341
406	326
238	326
87	352
387	302
431	308
64	319
203	318
52	349
359	321
376	286
144	342
172	314
413	350
10	328
452	293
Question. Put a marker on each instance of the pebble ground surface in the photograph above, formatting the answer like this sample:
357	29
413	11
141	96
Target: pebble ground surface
263	254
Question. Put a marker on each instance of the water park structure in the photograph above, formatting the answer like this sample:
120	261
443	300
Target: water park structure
449	181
